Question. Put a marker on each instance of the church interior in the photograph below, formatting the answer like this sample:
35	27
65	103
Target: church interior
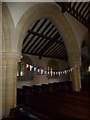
44	60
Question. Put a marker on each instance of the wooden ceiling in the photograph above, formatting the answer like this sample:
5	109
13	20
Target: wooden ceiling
79	10
42	38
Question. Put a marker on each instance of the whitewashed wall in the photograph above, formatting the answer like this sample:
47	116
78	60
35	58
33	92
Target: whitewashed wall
40	79
17	9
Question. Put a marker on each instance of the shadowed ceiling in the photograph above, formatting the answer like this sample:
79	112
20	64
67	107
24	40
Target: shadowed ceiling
42	38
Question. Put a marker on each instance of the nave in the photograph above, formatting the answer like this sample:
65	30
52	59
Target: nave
44	60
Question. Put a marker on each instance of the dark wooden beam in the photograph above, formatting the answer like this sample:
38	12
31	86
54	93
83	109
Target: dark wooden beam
41	46
45	56
49	44
28	43
80	15
36	34
73	11
36	23
42	39
60	50
46	27
55	50
74	4
34	42
41	25
50	48
84	18
87	11
63	53
55	46
28	33
87	15
77	10
86	8
37	44
39	35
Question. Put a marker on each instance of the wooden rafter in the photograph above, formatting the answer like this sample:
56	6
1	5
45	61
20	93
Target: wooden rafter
75	9
43	39
49	44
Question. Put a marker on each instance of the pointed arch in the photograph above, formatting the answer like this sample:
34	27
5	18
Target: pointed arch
52	12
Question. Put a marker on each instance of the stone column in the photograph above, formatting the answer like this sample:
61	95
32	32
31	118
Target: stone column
0	86
0	60
79	78
11	81
75	75
3	83
76	79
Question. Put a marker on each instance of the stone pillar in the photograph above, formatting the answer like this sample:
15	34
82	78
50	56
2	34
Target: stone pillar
79	78
75	75
3	83
76	79
0	60
10	82
0	86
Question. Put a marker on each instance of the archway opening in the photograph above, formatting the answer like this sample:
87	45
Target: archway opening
43	41
35	14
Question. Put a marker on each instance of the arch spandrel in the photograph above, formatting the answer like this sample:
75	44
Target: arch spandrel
8	28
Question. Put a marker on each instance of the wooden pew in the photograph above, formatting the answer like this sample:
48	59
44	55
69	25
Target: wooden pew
46	100
54	108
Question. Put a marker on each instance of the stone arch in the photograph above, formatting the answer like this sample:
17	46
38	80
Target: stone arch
52	12
8	28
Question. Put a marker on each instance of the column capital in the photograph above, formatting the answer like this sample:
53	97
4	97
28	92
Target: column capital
11	57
